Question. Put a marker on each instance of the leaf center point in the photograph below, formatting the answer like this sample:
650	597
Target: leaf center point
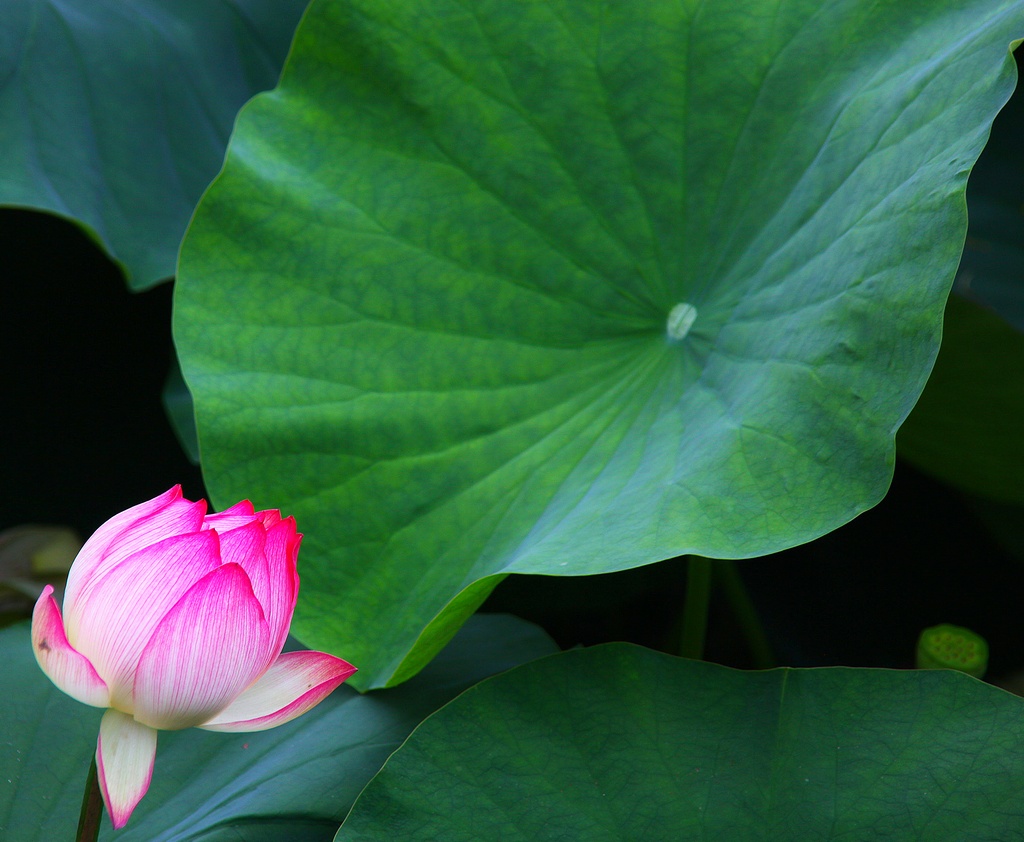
680	320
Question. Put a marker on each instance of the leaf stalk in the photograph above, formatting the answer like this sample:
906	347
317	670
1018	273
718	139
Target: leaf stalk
92	807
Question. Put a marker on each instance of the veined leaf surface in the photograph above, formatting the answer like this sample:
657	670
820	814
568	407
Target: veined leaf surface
426	306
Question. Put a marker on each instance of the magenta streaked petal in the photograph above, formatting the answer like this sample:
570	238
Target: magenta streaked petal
69	669
281	551
238	515
242	543
245	547
125	752
242	507
211	645
128	532
114	621
92	551
296	682
269	517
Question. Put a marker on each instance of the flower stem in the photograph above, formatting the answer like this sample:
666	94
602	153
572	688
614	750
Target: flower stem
746	615
92	808
695	607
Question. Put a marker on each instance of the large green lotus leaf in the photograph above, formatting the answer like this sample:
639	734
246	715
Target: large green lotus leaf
425	305
620	742
117	114
295	782
967	427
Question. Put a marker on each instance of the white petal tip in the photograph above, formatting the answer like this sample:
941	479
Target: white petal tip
125	753
294	684
65	666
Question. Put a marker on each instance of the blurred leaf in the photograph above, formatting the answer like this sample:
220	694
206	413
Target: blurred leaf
37	550
992	268
180	412
295	782
116	115
1003	522
425	305
968	427
32	556
619	742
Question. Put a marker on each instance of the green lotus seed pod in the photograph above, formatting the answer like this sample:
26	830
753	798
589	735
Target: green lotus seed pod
952	647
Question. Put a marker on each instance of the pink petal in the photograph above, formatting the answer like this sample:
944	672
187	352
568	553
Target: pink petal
270	517
124	763
117	614
245	547
127	533
296	682
238	515
269	559
242	507
243	544
69	669
210	646
282	552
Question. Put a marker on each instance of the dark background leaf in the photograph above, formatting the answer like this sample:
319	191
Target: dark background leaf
302	776
618	742
116	115
968	427
992	267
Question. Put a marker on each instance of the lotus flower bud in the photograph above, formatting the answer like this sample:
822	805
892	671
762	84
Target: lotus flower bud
174	618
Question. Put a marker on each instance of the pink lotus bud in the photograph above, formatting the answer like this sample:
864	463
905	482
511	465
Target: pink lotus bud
172	619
